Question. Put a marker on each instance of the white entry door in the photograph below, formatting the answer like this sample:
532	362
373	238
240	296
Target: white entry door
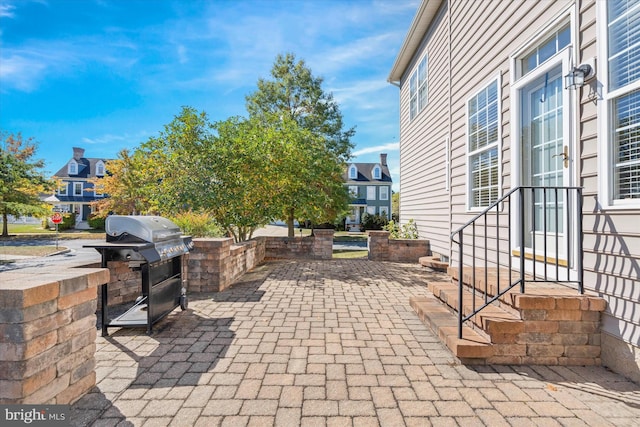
545	160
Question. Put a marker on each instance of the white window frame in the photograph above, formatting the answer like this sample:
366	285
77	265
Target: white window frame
353	172
371	210
72	168
377	172
371	192
419	88
606	153
100	168
353	191
497	80
63	190
98	189
384	193
75	186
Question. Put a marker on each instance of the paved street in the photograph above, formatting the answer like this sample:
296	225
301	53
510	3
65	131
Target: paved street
329	343
76	254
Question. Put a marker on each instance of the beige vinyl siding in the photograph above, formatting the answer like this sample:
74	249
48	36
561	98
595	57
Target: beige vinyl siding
483	38
611	237
423	144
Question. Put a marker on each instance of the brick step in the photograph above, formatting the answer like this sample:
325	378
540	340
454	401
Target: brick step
537	296
434	263
493	321
471	348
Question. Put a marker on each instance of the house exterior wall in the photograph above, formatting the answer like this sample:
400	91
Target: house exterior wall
366	189
423	140
484	37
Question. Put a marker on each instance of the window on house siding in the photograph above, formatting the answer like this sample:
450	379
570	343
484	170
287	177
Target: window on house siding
371	210
77	189
371	192
100	169
377	174
62	190
482	146
384	193
418	89
353	191
623	61
73	168
98	189
558	41
353	172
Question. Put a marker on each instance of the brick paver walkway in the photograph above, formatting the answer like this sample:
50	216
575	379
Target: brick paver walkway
329	343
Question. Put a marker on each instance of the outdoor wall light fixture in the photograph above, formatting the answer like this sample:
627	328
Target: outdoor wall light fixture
578	76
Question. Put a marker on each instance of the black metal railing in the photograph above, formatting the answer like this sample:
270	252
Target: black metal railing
548	230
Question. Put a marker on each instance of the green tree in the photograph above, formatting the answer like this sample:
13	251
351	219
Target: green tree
311	182
21	179
129	183
395	206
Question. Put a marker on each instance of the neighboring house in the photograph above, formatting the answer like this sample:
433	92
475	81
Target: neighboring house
76	192
369	185
486	107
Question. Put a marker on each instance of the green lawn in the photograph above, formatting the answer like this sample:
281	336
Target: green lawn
345	254
29	250
34	231
27	228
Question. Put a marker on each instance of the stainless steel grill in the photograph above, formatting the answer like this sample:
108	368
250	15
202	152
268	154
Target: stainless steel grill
154	246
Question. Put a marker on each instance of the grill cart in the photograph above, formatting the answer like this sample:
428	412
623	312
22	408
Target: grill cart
154	246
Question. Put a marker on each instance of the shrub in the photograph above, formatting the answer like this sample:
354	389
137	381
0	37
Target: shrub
406	231
197	224
372	222
96	221
68	222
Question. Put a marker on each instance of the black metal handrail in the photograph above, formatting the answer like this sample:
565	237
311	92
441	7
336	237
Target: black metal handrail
546	212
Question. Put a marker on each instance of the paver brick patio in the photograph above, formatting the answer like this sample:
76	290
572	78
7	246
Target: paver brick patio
333	343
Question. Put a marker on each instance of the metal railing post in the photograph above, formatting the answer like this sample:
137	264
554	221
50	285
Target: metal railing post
460	281
522	226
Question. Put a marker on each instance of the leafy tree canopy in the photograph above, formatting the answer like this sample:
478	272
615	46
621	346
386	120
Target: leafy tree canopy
22	180
315	190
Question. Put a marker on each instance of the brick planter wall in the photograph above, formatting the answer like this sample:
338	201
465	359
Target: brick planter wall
214	264
318	246
47	334
381	248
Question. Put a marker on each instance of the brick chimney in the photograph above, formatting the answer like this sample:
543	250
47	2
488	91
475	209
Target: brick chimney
383	159
78	153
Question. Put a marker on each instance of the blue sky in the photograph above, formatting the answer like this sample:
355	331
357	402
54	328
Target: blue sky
108	74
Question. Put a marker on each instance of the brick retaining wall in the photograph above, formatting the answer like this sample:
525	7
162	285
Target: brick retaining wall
47	334
318	246
381	248
214	264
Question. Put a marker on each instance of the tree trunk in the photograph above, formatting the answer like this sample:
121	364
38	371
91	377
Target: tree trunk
290	223
5	226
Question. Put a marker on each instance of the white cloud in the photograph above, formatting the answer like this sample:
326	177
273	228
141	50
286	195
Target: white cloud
112	139
391	146
6	11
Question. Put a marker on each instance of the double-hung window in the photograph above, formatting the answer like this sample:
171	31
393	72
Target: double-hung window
418	89
77	189
371	192
621	116
62	190
483	124
384	193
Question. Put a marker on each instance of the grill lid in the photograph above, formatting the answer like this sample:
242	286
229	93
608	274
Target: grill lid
139	228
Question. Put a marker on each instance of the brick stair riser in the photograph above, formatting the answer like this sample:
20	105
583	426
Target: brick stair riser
530	329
